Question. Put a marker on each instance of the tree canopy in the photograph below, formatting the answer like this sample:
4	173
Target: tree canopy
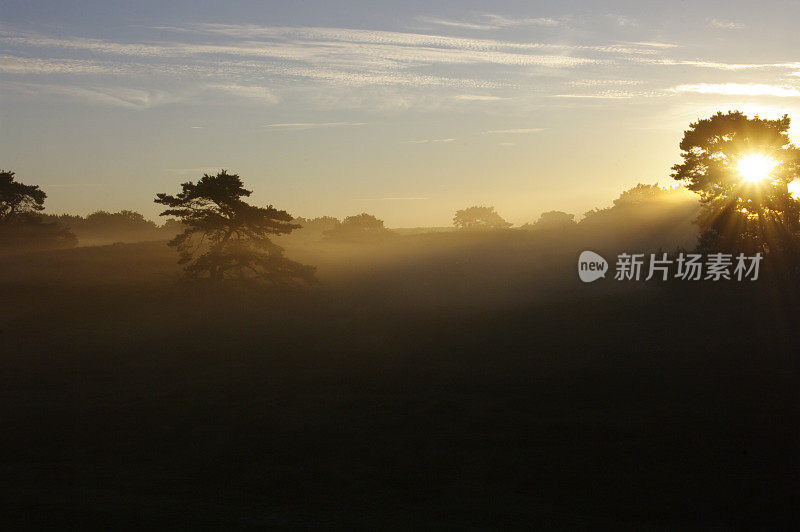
479	217
741	168
317	225
22	227
552	221
18	198
225	238
360	227
123	226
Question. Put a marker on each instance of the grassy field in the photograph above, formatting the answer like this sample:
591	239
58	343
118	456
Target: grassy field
444	381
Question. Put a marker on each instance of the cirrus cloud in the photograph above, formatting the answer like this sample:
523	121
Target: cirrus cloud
740	89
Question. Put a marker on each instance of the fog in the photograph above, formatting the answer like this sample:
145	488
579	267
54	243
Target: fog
468	358
426	270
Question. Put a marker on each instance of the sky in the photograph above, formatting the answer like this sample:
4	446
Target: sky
406	110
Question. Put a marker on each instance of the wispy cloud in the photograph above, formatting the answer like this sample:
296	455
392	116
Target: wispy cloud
740	89
140	98
512	131
266	65
478	97
491	21
608	95
455	23
250	92
312	125
311	35
306	44
127	97
337	57
11	64
334	56
654	44
604	82
715	64
726	24
505	22
429	141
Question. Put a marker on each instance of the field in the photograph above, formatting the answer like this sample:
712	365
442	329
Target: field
442	381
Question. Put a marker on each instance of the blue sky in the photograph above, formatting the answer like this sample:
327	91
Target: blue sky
406	110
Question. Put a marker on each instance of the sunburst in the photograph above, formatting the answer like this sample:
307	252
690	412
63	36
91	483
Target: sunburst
755	168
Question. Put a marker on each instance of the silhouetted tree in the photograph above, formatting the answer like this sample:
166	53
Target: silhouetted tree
317	225
645	217
738	213
479	218
124	220
361	227
29	232
552	221
18	198
225	238
22	228
122	226
642	196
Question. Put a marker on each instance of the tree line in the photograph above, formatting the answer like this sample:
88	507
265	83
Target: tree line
220	237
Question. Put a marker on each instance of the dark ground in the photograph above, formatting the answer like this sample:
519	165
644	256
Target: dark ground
127	400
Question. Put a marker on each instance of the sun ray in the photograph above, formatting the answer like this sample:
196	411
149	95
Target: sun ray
756	167
794	188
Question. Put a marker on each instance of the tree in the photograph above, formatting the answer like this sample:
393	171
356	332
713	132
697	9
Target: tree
552	221
645	217
361	227
479	218
18	198
741	168
225	238
122	226
317	225
30	232
641	197
22	228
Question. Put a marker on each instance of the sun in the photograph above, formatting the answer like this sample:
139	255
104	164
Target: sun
794	188
755	168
